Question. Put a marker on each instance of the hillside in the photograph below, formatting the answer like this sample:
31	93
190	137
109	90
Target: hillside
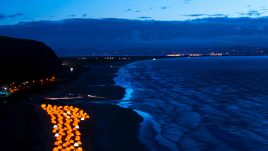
22	59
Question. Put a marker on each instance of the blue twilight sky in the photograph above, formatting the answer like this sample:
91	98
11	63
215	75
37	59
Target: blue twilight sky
15	11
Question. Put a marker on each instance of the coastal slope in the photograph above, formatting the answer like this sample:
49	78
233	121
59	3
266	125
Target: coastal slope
23	59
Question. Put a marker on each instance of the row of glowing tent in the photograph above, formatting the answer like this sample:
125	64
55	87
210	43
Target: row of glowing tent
65	120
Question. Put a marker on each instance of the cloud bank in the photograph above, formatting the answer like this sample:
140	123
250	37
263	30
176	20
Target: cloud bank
99	36
3	16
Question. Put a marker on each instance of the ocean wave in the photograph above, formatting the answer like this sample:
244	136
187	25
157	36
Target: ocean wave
149	121
200	103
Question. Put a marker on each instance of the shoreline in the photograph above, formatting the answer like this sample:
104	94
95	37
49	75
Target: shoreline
112	126
149	129
109	128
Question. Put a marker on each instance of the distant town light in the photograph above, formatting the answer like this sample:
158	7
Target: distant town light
71	69
174	55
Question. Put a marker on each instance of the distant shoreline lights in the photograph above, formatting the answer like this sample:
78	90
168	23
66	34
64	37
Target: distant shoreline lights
65	120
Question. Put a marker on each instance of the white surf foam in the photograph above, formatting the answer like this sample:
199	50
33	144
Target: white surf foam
147	118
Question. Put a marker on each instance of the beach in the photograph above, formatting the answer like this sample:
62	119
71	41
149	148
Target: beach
132	105
25	126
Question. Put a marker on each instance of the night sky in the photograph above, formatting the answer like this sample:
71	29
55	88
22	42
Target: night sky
99	27
14	11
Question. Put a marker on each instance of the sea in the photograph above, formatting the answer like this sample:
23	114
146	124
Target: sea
199	103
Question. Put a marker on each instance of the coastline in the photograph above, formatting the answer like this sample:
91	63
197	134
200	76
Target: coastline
109	128
149	129
24	126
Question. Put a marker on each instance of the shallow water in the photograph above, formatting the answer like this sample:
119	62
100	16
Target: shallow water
192	104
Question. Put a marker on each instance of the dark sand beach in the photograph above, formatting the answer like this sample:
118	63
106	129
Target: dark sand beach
25	126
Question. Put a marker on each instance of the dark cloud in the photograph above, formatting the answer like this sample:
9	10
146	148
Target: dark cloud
196	15
251	13
206	15
15	15
145	17
164	7
128	10
72	15
218	15
119	34
3	16
131	10
84	15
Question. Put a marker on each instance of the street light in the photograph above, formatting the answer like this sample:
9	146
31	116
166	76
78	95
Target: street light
71	69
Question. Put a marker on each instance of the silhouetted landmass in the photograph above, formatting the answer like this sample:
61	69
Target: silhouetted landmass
22	59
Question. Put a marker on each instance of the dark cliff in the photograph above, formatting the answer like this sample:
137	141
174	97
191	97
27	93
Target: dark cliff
22	59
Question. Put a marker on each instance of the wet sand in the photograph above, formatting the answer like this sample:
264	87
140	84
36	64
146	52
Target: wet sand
24	126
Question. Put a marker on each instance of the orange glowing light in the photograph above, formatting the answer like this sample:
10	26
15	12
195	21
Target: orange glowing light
65	120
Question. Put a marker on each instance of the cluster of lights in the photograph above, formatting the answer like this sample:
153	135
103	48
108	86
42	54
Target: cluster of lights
109	58
175	55
13	88
45	80
71	69
215	54
65	120
82	58
195	55
124	58
116	58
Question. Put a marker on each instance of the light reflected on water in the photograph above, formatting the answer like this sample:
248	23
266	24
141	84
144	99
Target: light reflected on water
65	120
